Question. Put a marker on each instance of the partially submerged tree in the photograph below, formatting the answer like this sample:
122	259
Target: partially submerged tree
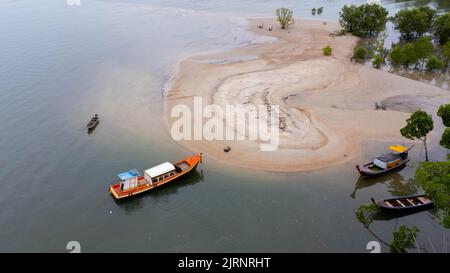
445	139
444	113
442	28
434	178
403	55
404	238
446	53
434	63
423	49
417	127
365	20
320	10
366	213
412	53
413	23
285	17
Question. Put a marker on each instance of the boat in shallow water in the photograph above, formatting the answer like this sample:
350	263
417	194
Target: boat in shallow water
93	122
405	203
133	183
386	162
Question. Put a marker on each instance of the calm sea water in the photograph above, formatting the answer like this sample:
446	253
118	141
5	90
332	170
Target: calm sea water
60	64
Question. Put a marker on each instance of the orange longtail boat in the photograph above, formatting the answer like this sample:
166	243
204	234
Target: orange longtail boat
133	183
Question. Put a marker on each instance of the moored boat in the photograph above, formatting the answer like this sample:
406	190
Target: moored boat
405	203
133	183
93	123
386	162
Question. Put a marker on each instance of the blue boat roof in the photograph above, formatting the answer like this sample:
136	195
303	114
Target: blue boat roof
130	174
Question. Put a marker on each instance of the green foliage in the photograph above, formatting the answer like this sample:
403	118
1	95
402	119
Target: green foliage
360	53
446	52
417	127
445	139
414	23
444	114
377	61
365	20
404	238
379	47
313	11
442	28
327	51
397	56
285	17
446	221
423	48
366	213
412	53
434	178
434	63
403	55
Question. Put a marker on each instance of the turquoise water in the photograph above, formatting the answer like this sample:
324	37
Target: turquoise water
60	64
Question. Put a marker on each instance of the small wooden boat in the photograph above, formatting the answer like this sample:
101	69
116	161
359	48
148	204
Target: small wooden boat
93	123
405	203
132	183
386	162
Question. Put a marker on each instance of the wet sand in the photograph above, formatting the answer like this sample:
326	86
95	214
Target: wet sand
326	102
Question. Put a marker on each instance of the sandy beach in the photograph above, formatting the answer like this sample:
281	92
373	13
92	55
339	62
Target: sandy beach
326	102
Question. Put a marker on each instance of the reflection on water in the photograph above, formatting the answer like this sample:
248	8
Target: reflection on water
397	185
440	79
384	215
135	203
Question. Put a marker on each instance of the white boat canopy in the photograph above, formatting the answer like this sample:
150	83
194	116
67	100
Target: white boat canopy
160	169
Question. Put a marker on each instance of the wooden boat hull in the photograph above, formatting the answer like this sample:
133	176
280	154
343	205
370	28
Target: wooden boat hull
117	193
92	125
405	203
365	170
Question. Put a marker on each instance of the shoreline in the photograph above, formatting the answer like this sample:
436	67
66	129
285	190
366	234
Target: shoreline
327	102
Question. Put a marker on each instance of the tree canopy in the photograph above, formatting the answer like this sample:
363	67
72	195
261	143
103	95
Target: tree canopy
434	63
412	53
445	139
417	127
364	20
446	52
414	23
442	28
404	238
423	48
285	17
434	178
366	213
444	113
